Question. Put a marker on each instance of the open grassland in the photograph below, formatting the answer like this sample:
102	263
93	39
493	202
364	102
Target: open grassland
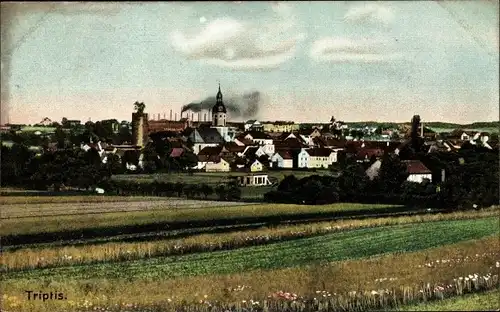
488	301
342	284
331	247
120	251
30	200
490	130
211	177
157	215
20	210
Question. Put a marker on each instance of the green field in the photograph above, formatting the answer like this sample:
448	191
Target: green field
490	130
111	269
489	301
334	247
211	177
162	212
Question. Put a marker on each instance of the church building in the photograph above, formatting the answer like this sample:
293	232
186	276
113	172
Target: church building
219	119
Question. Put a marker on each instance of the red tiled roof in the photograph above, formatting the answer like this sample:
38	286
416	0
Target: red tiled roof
319	152
210	150
288	143
176	152
364	153
233	147
416	167
285	154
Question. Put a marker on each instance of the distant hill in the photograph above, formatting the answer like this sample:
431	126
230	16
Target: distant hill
432	124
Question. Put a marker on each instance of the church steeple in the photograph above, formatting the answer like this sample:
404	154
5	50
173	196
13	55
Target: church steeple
219	111
219	96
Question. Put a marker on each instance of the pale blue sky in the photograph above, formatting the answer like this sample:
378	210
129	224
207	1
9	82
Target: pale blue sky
358	61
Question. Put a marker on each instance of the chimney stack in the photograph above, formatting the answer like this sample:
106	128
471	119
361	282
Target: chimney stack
422	129
170	114
158	116
164	114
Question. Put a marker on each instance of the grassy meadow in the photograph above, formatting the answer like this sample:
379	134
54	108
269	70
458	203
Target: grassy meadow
211	177
488	301
215	178
370	263
158	212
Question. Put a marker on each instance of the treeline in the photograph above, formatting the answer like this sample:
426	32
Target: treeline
471	180
74	168
227	191
67	168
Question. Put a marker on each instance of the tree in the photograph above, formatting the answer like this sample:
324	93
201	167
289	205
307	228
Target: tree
60	137
220	190
113	164
188	160
353	181
206	190
64	122
139	107
392	174
179	188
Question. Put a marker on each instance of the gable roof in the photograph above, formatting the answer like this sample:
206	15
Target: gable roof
206	135
329	141
259	135
233	147
416	167
211	150
364	153
319	152
285	154
176	152
292	143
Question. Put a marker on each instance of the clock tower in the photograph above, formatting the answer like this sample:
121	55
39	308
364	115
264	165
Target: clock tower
219	112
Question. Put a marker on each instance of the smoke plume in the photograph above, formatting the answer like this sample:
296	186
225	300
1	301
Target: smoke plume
239	107
11	11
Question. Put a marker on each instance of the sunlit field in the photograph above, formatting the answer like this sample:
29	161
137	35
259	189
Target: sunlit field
359	262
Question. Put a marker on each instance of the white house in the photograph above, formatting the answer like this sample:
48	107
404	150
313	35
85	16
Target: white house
267	149
321	157
254	180
221	166
252	125
259	137
417	171
256	166
303	159
282	159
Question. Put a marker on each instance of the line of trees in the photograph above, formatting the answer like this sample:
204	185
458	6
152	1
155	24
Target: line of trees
228	191
74	168
471	181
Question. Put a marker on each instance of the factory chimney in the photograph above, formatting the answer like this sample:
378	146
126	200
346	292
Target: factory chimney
170	114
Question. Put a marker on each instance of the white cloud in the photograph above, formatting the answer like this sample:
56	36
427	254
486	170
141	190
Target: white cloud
229	43
342	50
370	12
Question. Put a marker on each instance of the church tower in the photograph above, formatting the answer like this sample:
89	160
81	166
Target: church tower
219	112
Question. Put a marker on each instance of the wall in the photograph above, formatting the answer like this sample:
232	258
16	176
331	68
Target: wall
419	177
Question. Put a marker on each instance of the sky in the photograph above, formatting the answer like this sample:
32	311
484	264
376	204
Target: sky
357	61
